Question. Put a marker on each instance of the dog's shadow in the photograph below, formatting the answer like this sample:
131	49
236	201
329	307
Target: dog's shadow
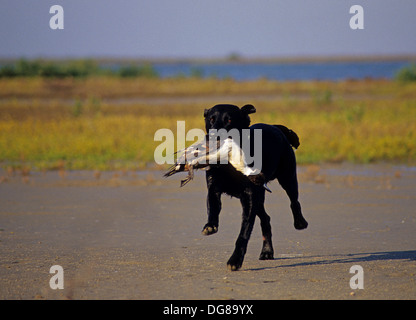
354	258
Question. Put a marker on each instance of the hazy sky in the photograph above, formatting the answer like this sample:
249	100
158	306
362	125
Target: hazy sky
206	28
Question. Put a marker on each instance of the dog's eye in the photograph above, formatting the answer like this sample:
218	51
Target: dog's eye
227	120
212	120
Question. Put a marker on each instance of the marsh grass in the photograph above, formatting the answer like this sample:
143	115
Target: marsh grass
406	74
73	124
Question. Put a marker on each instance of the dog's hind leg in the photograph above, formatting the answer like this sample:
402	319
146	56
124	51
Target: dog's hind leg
289	182
267	252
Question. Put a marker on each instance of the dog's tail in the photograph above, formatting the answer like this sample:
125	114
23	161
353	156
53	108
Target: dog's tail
291	135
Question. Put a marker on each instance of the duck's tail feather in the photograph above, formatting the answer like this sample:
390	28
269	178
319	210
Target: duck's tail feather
174	169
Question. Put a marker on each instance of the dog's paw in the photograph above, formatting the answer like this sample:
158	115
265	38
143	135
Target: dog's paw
300	223
234	263
266	255
209	229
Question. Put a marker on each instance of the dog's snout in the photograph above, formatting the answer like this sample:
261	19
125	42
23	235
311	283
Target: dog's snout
216	123
220	122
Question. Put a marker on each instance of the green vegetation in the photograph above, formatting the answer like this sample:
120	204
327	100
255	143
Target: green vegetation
81	123
407	74
132	71
73	69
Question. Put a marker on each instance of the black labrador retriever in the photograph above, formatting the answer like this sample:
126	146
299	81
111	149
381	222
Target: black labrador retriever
278	162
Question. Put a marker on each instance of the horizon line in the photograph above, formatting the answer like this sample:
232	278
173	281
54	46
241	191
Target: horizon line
231	58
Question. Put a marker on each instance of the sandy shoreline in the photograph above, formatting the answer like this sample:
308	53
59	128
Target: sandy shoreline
136	235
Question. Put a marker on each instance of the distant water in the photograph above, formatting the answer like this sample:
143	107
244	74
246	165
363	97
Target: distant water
284	71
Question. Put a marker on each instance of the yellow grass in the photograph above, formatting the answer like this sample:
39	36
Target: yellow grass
81	124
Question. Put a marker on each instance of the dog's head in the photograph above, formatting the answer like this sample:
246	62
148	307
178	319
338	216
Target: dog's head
228	116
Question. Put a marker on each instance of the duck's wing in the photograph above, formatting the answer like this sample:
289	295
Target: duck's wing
189	158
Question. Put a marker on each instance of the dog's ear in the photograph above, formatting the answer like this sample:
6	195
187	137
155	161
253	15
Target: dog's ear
205	112
248	108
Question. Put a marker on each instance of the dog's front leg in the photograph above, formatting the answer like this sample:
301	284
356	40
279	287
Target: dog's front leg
213	210
236	260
